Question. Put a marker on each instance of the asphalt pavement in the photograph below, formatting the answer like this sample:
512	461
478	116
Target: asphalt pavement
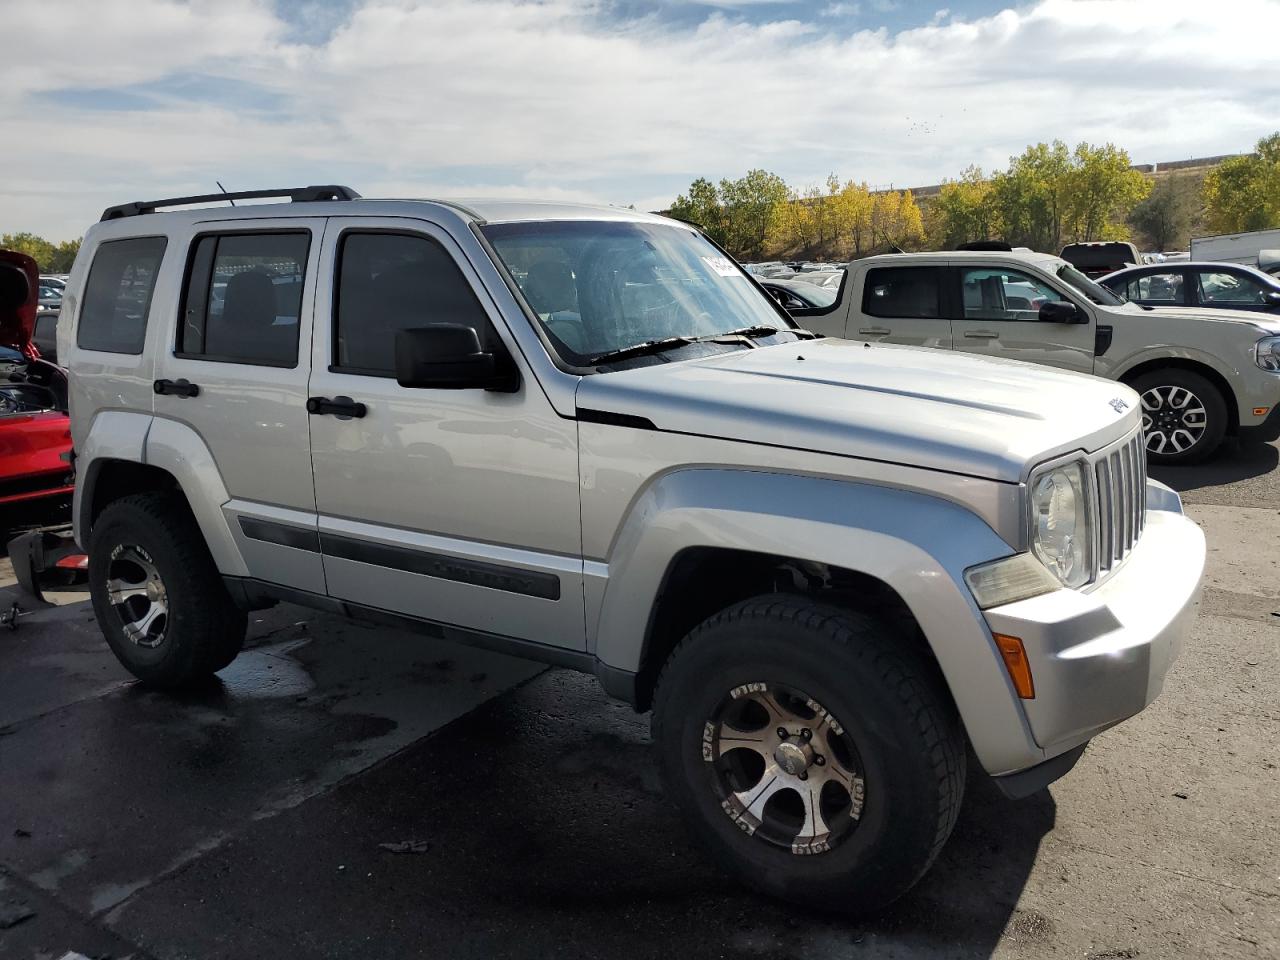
343	791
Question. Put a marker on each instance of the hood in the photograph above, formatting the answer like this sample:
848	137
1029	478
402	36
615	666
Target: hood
977	416
1268	323
19	295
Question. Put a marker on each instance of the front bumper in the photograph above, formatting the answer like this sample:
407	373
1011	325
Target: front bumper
1263	431
1099	657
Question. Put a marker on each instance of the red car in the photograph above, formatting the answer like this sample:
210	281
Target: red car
35	432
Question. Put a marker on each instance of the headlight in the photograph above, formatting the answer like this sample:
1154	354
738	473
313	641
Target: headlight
1267	354
1061	536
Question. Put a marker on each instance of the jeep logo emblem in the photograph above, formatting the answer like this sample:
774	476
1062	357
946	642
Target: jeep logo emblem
1118	405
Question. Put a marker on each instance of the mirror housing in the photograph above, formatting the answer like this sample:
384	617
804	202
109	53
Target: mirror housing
1060	311
448	356
1273	297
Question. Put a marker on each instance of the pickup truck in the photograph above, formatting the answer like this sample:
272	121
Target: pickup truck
1202	374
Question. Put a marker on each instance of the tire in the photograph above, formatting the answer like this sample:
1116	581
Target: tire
1178	405
148	538
902	731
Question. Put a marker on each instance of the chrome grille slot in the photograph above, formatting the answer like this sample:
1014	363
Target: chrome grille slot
1121	478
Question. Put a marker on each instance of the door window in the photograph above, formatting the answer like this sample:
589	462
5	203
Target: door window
998	293
244	298
117	296
1230	289
903	292
1156	288
389	282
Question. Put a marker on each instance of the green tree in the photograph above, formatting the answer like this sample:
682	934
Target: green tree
749	205
51	257
1163	220
852	209
1032	196
964	210
702	206
1243	193
1102	190
896	220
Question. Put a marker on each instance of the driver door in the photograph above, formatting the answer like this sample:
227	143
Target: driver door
1000	317
454	506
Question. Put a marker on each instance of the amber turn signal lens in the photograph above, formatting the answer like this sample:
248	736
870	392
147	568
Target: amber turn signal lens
1260	411
1015	661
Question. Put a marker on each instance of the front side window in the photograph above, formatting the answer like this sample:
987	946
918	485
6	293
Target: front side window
1230	289
600	286
903	292
1157	288
244	298
117	296
394	281
999	293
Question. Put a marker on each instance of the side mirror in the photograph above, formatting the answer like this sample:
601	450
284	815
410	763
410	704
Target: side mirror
448	356
1273	297
1059	311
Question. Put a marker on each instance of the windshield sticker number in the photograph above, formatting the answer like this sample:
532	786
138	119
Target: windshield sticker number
722	265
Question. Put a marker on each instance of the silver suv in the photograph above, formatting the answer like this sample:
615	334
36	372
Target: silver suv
585	436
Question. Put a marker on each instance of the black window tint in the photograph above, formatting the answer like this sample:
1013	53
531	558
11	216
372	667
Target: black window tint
244	298
117	296
903	292
389	282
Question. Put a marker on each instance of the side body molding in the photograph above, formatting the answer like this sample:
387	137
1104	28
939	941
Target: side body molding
918	545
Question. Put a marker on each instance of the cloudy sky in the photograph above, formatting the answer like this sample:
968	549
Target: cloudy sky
621	101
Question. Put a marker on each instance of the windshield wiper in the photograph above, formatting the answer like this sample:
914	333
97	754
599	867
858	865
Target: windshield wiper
647	348
761	330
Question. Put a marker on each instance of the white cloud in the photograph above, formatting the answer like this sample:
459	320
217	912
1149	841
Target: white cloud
501	96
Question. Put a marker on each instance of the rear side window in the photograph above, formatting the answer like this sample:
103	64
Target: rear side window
389	282
117	296
903	292
244	298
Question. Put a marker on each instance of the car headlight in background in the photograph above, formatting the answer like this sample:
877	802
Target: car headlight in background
1267	354
1061	536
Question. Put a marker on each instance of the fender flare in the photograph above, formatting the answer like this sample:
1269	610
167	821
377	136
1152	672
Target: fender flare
179	451
916	544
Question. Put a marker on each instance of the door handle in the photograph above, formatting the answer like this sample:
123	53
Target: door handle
176	388
342	407
982	335
875	331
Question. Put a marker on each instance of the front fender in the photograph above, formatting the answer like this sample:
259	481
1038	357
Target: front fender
916	544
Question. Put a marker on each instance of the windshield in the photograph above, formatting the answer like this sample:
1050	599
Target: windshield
1091	289
599	286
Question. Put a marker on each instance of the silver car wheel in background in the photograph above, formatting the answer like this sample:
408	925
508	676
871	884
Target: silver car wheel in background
138	596
1173	419
785	770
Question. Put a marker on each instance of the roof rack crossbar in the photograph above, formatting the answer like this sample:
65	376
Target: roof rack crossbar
312	194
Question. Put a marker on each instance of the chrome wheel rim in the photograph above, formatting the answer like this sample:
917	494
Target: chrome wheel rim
784	769
138	596
1173	419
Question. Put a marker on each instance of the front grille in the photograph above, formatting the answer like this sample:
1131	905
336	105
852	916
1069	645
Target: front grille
1121	476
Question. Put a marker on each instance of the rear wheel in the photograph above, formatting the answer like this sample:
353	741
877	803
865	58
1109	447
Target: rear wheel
1184	416
157	595
812	751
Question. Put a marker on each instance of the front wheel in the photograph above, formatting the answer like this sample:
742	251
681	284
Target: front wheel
813	752
1184	416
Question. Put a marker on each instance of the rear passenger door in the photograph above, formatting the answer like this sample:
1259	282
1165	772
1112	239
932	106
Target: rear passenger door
235	371
1000	317
903	305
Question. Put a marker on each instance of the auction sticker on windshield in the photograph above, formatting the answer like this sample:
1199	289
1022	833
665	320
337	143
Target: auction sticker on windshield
723	266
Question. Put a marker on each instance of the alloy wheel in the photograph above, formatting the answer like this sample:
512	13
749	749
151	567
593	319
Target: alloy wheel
1173	419
138	596
785	770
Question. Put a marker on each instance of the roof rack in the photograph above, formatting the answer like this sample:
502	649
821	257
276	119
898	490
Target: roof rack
313	194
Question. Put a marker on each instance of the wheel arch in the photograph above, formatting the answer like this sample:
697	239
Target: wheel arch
1220	382
907	550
